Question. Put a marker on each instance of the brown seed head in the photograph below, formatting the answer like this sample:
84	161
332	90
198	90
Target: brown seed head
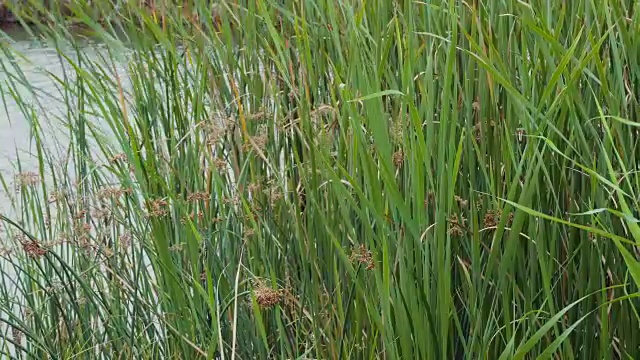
362	255
220	164
275	195
456	231
199	196
462	203
398	158
111	193
102	214
214	132
125	240
490	219
249	232
261	139
254	188
157	208
510	219
26	179
456	225
266	296
231	201
176	247
33	249
17	335
118	158
56	196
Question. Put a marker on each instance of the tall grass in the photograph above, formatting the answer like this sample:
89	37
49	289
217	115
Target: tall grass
333	179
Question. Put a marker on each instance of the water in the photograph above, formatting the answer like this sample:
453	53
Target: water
39	62
15	129
36	67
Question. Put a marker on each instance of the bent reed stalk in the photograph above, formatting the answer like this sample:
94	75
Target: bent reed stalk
329	180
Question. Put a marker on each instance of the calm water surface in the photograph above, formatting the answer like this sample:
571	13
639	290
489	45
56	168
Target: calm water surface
39	63
36	67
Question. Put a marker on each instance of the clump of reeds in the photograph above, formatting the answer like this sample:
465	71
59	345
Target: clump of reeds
478	158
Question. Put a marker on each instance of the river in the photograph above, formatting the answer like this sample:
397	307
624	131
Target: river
38	61
28	62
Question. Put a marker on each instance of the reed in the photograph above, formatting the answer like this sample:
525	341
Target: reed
332	179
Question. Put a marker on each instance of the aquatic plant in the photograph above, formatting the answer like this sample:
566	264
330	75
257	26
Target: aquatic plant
331	179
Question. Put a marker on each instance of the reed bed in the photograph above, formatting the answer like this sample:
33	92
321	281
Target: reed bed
331	179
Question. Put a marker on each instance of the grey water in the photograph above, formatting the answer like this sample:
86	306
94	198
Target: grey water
33	77
34	68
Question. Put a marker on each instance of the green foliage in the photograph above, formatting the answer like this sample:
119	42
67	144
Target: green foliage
331	179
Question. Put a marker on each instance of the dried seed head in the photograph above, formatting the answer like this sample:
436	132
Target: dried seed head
254	188
216	129
510	219
477	132
157	208
199	216
456	231
107	251
80	215
267	297
362	255
231	201
490	219
57	196
199	196
26	179
261	139
248	233
275	195
220	164
82	234
462	203
118	158
111	193
102	214
261	114
125	240
398	158
5	251
321	111
33	249
82	229
176	247
17	335
456	225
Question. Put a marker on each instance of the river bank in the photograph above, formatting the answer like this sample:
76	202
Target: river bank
6	15
12	11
